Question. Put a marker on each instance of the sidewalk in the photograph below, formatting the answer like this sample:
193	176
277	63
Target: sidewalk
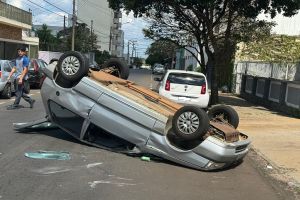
275	136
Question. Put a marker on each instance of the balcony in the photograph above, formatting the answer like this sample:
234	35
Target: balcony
14	16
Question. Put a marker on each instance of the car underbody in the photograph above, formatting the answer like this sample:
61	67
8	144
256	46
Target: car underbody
115	114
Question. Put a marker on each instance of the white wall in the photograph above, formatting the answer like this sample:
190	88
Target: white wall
190	60
285	25
102	17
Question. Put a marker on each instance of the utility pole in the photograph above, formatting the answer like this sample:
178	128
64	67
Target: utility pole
73	24
128	61
128	52
92	27
92	34
132	51
133	48
64	25
31	23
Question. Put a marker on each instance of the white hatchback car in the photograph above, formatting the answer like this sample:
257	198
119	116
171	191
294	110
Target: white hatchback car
184	87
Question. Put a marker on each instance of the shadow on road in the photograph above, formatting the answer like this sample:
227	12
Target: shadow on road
232	100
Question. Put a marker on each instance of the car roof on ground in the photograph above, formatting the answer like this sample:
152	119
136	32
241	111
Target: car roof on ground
184	72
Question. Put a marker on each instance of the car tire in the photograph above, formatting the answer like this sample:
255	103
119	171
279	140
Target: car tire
121	70
72	66
53	60
6	93
62	82
190	123
226	112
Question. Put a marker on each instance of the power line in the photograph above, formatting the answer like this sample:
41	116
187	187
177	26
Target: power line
45	8
56	7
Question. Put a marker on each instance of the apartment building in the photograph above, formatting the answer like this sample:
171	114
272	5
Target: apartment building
15	32
105	23
186	60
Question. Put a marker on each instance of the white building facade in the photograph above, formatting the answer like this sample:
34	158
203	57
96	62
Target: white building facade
185	59
105	23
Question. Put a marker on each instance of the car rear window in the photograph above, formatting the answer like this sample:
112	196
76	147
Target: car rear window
186	79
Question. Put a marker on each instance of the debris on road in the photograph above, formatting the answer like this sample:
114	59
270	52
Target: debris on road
119	184
145	158
93	165
269	167
54	155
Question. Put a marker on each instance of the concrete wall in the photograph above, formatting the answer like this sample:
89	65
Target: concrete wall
9	32
275	94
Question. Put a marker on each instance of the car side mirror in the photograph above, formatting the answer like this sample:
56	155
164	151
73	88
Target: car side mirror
157	79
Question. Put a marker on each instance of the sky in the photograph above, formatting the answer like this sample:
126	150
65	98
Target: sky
44	13
285	25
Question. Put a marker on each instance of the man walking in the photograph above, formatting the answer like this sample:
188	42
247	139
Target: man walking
20	74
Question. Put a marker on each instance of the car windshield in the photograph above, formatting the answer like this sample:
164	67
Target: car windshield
186	79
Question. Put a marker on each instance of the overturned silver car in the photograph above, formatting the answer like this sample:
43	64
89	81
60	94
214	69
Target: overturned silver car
103	109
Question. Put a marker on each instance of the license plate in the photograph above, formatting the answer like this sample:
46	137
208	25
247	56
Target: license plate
183	99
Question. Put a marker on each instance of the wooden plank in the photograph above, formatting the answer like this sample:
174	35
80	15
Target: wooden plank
148	95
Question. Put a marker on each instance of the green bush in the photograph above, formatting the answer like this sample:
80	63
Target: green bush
189	68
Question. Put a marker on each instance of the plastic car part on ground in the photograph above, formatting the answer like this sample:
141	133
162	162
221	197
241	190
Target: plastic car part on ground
145	158
52	155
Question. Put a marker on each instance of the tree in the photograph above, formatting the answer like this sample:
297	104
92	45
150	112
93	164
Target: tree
161	51
85	41
155	58
138	62
47	40
216	25
101	56
275	48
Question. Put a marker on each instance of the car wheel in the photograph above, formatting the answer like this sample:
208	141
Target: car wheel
62	82
225	112
116	67
190	123
6	93
72	66
52	61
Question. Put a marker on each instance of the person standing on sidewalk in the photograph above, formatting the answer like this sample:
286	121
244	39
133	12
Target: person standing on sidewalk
20	73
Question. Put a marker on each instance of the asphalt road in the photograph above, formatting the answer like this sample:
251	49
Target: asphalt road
94	173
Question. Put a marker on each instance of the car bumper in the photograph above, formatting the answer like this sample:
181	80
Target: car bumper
201	101
211	154
158	72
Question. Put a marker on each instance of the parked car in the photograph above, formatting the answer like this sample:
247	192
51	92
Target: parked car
158	69
35	72
184	87
6	86
103	109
